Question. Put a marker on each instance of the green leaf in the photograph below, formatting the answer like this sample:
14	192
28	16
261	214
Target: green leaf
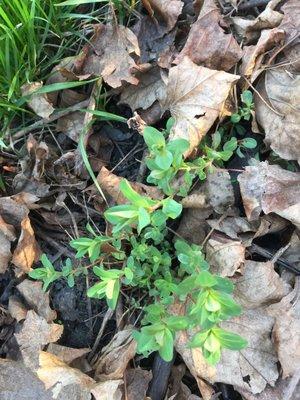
143	219
212	358
78	2
212	343
206	279
164	159
97	291
216	140
166	350
117	214
249	143
170	123
230	340
177	323
153	137
134	197
247	97
212	304
235	118
199	339
171	208
231	145
105	116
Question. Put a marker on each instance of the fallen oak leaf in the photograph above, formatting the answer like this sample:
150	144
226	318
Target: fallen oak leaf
27	251
166	13
269	188
207	43
195	97
37	299
149	89
281	119
109	55
38	102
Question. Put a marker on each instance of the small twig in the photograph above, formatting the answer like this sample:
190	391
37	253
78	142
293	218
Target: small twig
109	313
143	168
269	255
52	118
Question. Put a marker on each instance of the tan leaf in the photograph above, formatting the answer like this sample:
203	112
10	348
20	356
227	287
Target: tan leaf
149	89
34	335
268	19
254	55
195	97
109	390
281	90
115	357
225	256
26	252
110	183
193	227
39	103
269	188
52	371
260	285
37	299
286	331
66	354
16	308
5	253
252	368
19	382
165	12
233	226
110	54
207	43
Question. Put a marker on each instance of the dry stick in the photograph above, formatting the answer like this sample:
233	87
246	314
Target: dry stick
109	313
262	99
52	118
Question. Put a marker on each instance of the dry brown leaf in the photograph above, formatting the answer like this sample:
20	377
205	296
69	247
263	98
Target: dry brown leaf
218	191
52	371
225	256
195	97
137	381
37	299
20	383
281	90
5	253
109	390
110	183
165	12
27	251
193	227
115	357
268	19
39	103
149	89
233	226
17	309
66	354
269	188
250	369
286	331
259	285
110	54
290	23
254	55
34	334
207	43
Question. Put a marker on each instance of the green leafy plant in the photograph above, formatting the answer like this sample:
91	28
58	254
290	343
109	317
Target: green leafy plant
140	256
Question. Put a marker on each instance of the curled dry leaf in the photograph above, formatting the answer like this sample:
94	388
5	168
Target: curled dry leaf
34	335
17	309
110	182
254	55
115	357
110	54
109	390
268	19
137	381
66	354
39	103
233	226
286	331
225	256
281	119
195	97
269	188
207	43
7	236
149	89
266	286
165	12
37	299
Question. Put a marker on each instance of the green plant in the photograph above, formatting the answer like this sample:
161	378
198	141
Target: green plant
171	278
